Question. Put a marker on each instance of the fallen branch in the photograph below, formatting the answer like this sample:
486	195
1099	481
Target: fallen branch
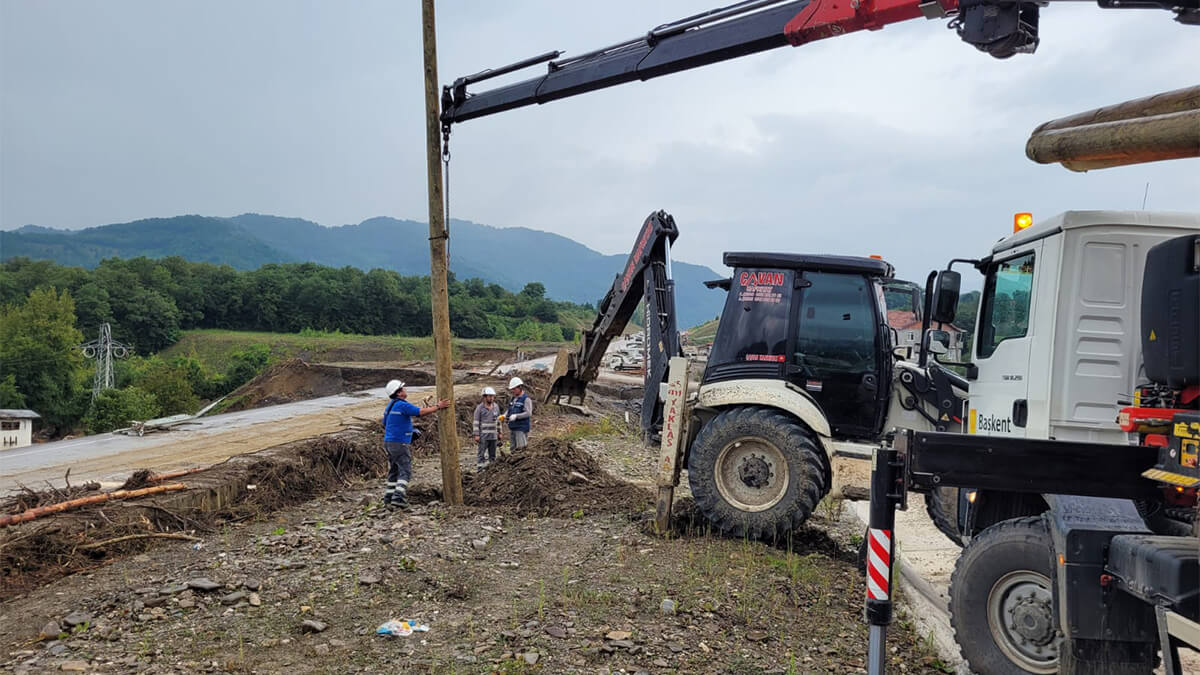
160	477
30	514
149	535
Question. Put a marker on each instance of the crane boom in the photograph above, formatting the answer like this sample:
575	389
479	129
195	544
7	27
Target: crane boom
1001	28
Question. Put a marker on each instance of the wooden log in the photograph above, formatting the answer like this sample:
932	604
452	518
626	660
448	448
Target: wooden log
1159	104
1082	147
38	512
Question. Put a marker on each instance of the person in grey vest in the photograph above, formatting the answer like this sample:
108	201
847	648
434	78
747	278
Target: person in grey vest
519	414
485	428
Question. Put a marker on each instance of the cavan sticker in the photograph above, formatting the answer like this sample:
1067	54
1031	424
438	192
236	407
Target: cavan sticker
760	286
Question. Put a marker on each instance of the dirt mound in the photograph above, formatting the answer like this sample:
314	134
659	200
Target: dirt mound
298	380
551	477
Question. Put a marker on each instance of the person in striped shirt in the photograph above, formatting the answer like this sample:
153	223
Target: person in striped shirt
485	428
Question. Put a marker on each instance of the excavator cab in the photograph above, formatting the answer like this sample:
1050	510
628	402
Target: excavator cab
818	323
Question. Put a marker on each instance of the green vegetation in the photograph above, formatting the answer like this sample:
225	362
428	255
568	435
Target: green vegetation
114	408
40	357
510	257
221	350
47	311
149	302
705	333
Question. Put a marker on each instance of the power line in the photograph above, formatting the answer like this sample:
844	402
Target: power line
103	349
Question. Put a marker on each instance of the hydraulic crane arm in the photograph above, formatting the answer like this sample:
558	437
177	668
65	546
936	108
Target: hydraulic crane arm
999	27
647	275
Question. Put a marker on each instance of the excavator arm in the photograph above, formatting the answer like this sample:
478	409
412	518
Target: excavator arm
647	275
1001	28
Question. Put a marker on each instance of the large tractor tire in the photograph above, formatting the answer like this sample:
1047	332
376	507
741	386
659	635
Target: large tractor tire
1001	600
942	506
756	472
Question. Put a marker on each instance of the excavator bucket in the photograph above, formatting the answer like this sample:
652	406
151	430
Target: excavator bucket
565	381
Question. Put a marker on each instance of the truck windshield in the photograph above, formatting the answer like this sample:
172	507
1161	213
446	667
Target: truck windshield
1007	295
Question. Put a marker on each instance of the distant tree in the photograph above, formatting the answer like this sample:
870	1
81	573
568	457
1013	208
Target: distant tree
40	356
149	321
527	330
92	308
10	397
246	364
116	408
534	290
168	383
552	332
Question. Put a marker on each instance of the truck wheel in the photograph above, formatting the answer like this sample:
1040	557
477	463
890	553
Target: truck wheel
1001	599
756	472
942	507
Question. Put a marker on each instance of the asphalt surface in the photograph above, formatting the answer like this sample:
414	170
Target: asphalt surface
111	457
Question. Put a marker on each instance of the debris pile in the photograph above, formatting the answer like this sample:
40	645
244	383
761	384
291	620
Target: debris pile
31	499
551	477
240	488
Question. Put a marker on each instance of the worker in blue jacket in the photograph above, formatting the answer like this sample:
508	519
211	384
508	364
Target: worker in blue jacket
397	439
519	414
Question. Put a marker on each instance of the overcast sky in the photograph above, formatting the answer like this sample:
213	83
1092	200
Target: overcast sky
903	142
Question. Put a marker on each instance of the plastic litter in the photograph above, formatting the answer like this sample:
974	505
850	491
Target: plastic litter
401	627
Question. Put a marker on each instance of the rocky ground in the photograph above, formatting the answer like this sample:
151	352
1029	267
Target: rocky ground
568	582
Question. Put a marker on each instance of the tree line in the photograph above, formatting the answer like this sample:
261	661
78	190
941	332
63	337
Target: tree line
149	301
43	368
48	310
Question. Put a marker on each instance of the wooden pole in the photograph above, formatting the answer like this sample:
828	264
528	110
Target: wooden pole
438	236
1154	128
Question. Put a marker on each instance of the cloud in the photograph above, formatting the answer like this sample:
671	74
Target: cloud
903	142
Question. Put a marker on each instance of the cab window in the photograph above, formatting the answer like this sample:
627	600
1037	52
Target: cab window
1007	298
837	324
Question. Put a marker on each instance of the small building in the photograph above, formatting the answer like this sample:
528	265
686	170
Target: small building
16	428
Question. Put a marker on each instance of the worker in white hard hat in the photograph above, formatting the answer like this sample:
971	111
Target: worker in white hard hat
518	415
485	427
397	438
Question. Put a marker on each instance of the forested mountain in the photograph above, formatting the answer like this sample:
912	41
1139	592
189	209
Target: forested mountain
510	257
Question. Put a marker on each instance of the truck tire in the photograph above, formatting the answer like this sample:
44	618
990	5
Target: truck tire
1001	600
942	506
756	472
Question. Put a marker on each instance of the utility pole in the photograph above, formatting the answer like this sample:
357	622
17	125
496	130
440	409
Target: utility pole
104	349
438	239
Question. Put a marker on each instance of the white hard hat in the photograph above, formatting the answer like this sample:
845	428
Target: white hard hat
488	391
515	382
392	387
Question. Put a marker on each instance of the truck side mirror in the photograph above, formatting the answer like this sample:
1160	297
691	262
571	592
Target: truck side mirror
945	296
937	342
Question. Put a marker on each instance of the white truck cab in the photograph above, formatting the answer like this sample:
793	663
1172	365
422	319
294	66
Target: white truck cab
1056	342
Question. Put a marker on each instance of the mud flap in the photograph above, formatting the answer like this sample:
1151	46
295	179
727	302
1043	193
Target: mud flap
1104	629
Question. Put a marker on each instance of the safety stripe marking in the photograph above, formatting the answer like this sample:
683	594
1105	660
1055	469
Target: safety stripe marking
879	557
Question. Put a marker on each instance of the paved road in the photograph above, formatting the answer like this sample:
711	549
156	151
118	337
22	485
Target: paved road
111	457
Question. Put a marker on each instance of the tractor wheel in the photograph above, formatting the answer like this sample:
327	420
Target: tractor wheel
942	506
756	472
1001	600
